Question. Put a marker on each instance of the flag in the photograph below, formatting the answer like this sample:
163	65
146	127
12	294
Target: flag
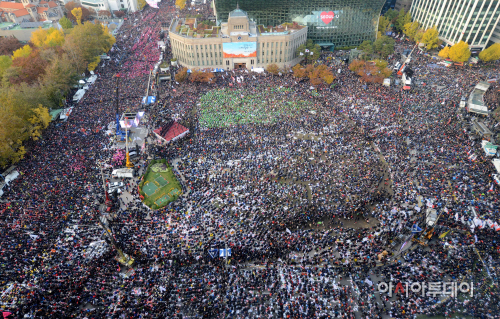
456	217
475	238
288	231
312	53
491	188
307	50
301	53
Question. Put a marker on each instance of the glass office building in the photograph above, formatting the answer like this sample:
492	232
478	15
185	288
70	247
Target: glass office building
331	23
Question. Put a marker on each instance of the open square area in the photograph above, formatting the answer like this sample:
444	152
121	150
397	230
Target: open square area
159	186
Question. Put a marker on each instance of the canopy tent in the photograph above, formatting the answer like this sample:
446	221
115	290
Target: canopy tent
78	95
55	113
496	163
92	79
66	113
171	132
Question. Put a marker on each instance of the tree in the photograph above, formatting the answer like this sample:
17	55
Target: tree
181	4
104	13
40	120
60	75
86	14
119	14
460	52
299	71
30	68
367	48
374	71
309	50
142	4
5	63
410	29
97	41
181	75
22	52
356	66
9	45
77	13
65	23
47	37
94	63
392	16
383	24
384	46
430	38
490	54
445	53
273	69
402	19
419	35
201	77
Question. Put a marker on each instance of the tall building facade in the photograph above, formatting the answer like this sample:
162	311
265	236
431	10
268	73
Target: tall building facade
337	23
237	44
471	21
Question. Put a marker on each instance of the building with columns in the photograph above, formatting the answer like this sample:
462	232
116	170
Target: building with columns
237	43
471	21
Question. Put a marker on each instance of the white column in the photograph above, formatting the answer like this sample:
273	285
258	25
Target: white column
456	35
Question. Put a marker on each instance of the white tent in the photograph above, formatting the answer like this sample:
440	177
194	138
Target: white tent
78	95
496	163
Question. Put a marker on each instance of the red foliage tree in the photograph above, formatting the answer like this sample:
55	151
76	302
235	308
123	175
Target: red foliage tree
29	68
9	45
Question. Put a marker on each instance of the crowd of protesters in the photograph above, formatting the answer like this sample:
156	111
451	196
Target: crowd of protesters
309	204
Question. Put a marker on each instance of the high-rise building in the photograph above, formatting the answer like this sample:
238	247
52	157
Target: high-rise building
330	23
471	21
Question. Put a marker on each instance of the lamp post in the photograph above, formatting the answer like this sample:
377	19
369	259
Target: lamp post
128	163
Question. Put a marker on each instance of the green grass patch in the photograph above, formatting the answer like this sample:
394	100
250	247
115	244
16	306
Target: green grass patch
228	107
159	186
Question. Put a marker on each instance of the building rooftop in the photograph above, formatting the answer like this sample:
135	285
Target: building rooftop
237	13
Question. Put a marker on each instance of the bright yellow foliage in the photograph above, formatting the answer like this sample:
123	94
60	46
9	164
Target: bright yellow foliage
77	12
40	120
51	37
92	65
430	38
142	4
180	3
445	53
460	52
490	54
22	52
411	29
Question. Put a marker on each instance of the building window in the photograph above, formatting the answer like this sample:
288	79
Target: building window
227	62
123	7
251	61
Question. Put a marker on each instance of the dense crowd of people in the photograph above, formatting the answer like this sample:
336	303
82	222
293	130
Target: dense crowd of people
309	202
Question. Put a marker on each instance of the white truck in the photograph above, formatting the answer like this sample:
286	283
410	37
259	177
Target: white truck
123	173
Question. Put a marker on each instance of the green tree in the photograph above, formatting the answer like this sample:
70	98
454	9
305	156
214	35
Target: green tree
490	54
85	42
460	52
310	51
410	29
60	76
430	38
383	24
367	48
392	16
66	23
5	63
384	46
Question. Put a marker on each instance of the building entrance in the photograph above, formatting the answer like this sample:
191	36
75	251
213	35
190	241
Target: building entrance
240	65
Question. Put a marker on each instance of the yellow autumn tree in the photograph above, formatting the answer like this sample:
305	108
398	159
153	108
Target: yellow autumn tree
410	29
92	65
460	52
490	54
445	53
47	37
77	12
22	52
430	38
180	3
142	4
40	121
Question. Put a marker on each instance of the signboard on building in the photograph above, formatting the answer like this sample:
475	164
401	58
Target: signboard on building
239	49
